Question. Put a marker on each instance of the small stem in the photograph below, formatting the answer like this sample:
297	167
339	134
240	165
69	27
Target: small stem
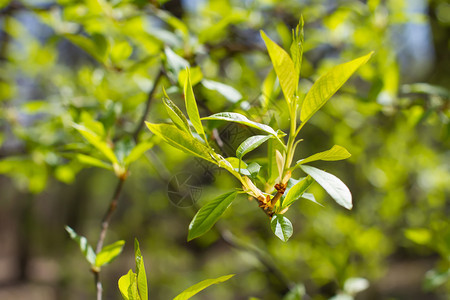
147	105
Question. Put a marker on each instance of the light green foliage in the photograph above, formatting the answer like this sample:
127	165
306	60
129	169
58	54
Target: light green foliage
238	118
208	215
191	106
335	153
281	227
109	253
82	242
196	288
296	191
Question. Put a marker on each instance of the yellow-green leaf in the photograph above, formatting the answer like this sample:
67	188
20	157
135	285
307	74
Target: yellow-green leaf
141	276
191	106
128	287
284	67
97	142
109	253
181	140
327	85
335	153
191	291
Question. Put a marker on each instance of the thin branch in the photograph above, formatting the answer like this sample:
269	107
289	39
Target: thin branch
147	105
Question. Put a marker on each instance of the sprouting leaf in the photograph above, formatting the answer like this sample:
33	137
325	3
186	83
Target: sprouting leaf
85	248
128	286
181	140
208	215
311	198
123	147
97	142
327	85
191	106
297	191
191	291
297	46
281	227
175	114
250	144
335	153
195	73
109	253
92	161
241	119
137	152
284	67
141	276
332	185
230	93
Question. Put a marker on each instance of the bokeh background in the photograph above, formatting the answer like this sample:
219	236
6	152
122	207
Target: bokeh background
96	61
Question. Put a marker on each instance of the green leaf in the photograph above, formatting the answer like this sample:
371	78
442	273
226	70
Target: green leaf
109	253
241	119
137	152
181	140
230	93
128	287
250	144
140	272
92	161
191	106
335	153
175	114
175	62
311	198
196	75
191	291
208	215
281	227
297	46
332	185
297	191
421	236
284	67
85	248
327	85
97	142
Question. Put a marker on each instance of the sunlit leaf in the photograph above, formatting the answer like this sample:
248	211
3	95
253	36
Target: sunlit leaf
297	191
97	142
137	152
109	253
327	85
281	227
297	46
92	161
175	114
85	248
241	119
332	185
191	106
250	144
208	215
230	93
335	153
128	286
191	291
141	276
181	140
284	67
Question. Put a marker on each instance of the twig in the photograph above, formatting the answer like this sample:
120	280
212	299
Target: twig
115	199
147	105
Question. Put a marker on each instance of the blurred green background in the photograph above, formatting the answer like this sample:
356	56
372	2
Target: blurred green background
96	61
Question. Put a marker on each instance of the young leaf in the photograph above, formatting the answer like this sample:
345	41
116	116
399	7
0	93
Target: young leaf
208	215
140	272
281	227
241	119
250	144
230	93
85	248
311	198
109	253
175	114
92	161
284	67
333	185
137	152
297	46
128	287
327	85
335	153
181	140
97	142
191	106
191	291
297	191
